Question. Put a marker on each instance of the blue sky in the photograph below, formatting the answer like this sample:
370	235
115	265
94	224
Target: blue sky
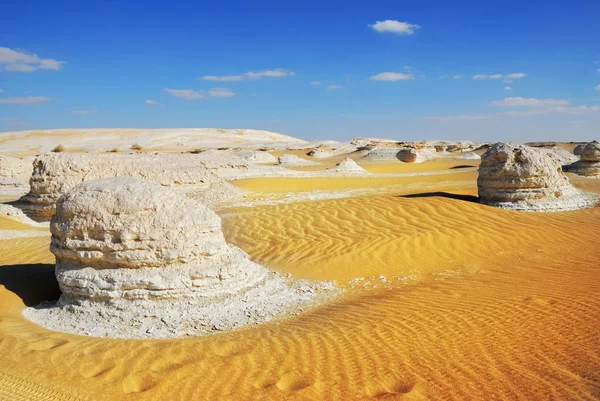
317	70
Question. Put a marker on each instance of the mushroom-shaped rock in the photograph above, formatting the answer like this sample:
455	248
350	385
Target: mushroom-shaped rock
346	166
515	176
56	173
293	160
578	150
589	165
132	255
123	238
410	155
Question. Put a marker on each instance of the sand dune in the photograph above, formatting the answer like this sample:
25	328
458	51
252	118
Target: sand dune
476	303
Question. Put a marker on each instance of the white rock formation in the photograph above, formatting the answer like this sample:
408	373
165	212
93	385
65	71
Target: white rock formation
410	155
469	156
134	258
382	154
293	160
559	155
259	156
56	173
322	152
515	176
346	167
589	165
14	175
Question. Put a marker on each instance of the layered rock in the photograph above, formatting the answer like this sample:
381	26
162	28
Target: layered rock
410	155
382	154
515	176
14	175
346	166
469	156
589	164
125	247
56	173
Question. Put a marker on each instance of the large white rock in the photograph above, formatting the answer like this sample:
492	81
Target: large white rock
382	154
346	167
410	155
515	176
589	165
136	259
258	156
56	173
14	175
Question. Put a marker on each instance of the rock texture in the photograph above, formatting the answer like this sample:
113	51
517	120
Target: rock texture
578	150
321	152
410	155
589	165
125	247
293	160
559	155
56	173
382	154
346	166
261	157
469	156
515	176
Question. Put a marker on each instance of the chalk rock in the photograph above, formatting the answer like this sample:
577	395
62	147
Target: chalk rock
14	175
346	166
382	154
259	156
56	173
515	176
293	160
559	155
410	155
322	152
124	238
589	165
469	156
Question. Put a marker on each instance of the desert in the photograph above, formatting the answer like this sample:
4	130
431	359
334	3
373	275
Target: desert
338	277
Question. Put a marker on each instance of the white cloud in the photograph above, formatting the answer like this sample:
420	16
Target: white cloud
1	91
153	102
334	87
461	117
19	61
393	26
457	77
316	83
507	88
278	73
221	92
443	77
85	112
24	100
597	87
507	77
187	94
598	70
223	78
528	102
392	76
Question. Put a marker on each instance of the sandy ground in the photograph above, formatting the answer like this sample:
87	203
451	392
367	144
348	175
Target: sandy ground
447	300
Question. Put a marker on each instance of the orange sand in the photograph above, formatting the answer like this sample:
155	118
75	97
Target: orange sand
478	304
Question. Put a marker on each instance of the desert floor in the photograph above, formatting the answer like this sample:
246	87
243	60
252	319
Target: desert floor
446	299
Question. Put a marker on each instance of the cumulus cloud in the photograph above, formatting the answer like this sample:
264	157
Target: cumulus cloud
334	87
529	102
24	100
393	26
187	94
220	92
392	76
85	112
19	61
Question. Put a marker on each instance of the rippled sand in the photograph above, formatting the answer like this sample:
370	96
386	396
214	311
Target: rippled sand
459	301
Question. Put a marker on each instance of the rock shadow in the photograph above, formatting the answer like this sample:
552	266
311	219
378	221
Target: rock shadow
33	283
466	198
462	166
29	211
